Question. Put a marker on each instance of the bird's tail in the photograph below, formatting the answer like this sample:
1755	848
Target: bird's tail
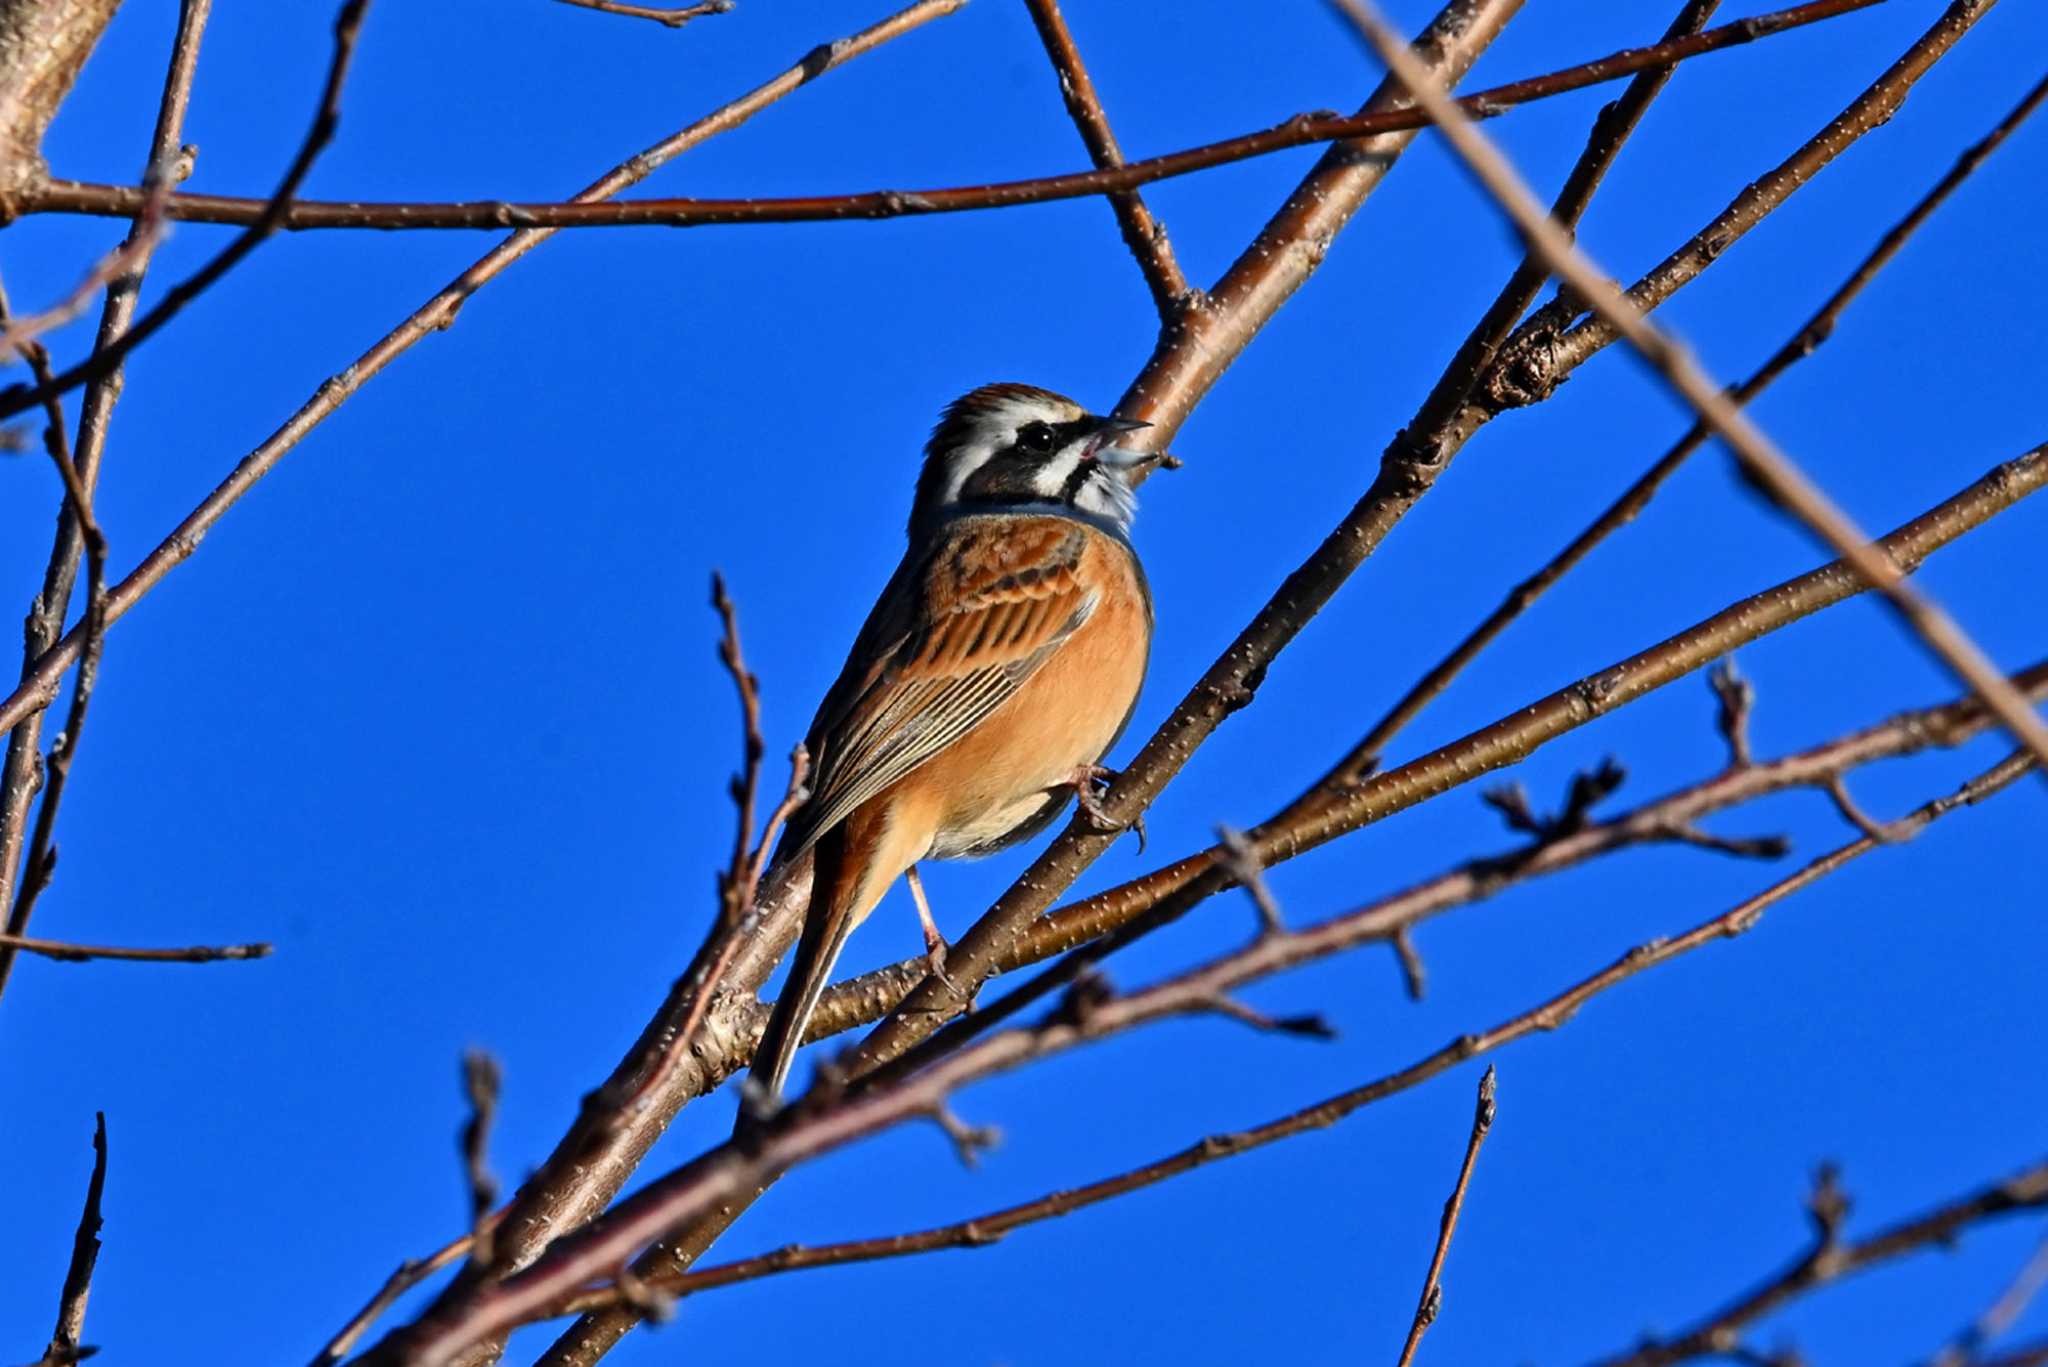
829	920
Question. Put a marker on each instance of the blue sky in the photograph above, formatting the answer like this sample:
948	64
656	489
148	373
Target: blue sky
436	708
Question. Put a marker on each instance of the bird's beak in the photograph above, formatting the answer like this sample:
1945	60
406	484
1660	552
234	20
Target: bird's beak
1116	457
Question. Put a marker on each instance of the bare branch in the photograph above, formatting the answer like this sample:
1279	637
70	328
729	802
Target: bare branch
1969	1346
811	1126
1803	343
1759	456
1831	1259
1243	863
1737	698
481	1083
80	470
1143	234
409	1274
71	953
668	18
67	1341
1427	1308
1302	130
39	684
326	117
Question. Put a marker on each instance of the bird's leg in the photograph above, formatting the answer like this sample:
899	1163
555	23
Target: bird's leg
1086	780
934	943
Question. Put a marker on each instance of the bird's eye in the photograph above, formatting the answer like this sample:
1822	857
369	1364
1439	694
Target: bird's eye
1036	437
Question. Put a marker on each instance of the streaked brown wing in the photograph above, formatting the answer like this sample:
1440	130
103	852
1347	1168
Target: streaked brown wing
956	633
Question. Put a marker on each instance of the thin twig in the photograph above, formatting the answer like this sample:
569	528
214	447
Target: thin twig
1144	234
1969	1346
481	1083
1831	1259
72	953
80	471
669	18
1427	1308
67	1340
81	197
326	117
1759	456
1476	355
409	1274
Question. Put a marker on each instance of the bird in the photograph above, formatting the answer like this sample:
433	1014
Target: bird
1001	663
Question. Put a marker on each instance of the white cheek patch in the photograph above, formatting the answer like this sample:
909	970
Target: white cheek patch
961	468
1050	482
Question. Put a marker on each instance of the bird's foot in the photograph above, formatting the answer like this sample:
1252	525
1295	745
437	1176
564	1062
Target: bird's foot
1088	781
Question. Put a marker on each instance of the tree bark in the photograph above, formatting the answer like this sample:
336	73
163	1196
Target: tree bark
43	46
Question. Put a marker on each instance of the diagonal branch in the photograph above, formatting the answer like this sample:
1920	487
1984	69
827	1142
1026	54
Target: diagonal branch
1803	343
76	530
1143	234
1760	457
1302	130
1431	1304
67	1342
326	117
1831	1260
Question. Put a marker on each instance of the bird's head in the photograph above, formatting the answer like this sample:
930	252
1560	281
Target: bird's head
1013	445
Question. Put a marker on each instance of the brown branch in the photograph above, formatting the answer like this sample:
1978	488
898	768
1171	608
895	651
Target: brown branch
409	1274
437	314
67	1340
668	18
1832	1259
1807	339
1427	1308
80	469
78	197
1143	234
65	952
326	117
814	1126
43	46
481	1083
1544	350
1760	457
1611	130
1969	1346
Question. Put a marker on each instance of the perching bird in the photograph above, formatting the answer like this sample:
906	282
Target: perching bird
999	666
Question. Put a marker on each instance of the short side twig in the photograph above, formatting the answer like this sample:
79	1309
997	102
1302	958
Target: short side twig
1144	234
668	18
67	1342
1427	1308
